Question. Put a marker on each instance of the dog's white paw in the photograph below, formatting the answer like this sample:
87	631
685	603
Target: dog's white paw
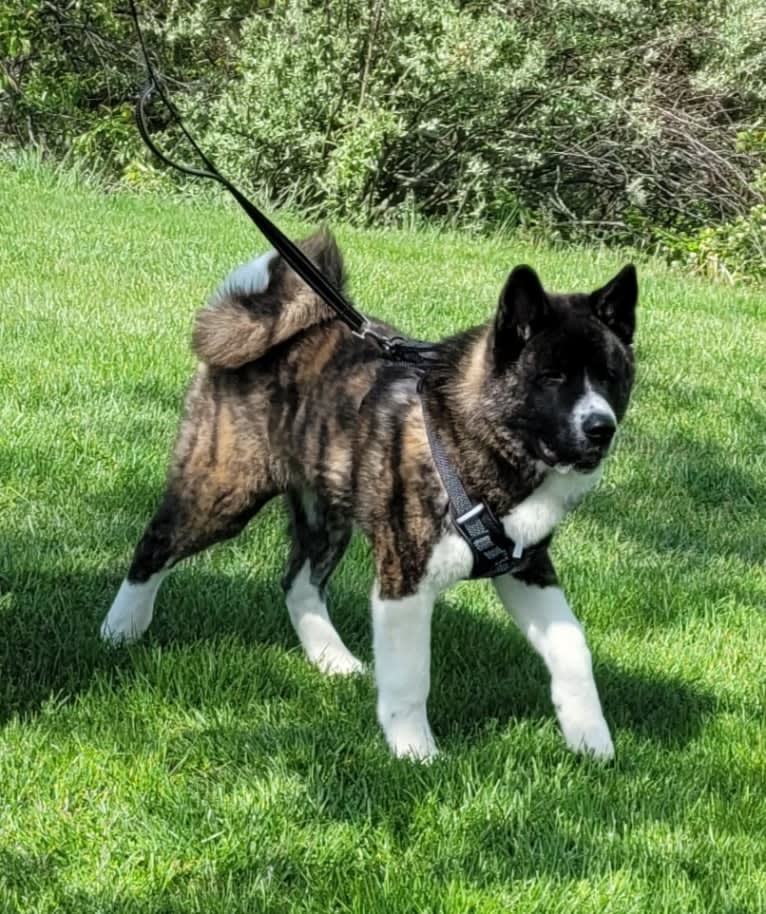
120	628
409	736
131	613
337	661
587	734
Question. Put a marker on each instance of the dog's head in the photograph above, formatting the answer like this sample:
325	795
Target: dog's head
562	366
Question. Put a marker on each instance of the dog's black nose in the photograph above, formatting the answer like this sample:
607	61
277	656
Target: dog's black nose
599	428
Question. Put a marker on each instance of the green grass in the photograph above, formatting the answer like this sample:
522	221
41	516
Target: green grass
209	769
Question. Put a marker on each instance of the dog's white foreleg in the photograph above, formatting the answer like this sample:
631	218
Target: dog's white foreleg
321	642
402	643
544	616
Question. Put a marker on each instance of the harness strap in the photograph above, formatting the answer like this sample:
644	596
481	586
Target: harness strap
494	553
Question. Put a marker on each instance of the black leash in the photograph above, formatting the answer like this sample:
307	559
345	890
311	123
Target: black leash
493	552
417	353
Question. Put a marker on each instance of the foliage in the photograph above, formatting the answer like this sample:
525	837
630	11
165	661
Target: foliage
70	69
735	250
616	119
488	114
732	251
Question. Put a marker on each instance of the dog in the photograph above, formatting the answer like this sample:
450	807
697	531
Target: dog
288	401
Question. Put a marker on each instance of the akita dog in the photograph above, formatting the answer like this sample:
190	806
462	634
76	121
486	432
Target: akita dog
286	400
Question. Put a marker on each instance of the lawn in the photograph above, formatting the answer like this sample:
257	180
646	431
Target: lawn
209	769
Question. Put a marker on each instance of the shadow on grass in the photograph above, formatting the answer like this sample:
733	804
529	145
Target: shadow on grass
483	671
485	678
716	490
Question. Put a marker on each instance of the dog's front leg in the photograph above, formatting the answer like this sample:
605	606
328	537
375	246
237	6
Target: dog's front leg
402	644
542	612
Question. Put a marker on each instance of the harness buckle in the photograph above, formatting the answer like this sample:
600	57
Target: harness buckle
470	514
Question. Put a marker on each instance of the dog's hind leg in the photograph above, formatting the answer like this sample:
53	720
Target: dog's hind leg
319	535
219	479
180	528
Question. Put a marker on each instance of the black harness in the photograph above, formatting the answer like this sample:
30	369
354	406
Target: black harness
493	552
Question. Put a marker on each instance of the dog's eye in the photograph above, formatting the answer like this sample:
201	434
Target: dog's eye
608	374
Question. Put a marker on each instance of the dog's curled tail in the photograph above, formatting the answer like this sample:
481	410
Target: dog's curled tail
263	303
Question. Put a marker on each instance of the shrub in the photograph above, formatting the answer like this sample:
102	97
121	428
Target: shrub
733	251
592	117
616	119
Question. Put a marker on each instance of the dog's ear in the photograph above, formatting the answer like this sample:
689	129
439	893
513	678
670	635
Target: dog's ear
521	313
615	303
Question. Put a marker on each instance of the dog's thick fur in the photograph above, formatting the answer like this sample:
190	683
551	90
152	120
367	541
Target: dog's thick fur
287	401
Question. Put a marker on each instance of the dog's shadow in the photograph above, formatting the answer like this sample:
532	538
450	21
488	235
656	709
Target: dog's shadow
483	672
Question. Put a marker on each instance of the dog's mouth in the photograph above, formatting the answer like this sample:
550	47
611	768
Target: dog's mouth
546	454
588	465
585	463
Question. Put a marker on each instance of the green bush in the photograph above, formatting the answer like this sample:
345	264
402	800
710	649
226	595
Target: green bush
588	117
613	119
733	251
70	70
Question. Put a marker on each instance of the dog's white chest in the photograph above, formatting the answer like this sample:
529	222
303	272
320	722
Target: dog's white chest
529	522
539	514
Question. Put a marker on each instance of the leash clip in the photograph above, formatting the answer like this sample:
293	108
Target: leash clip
364	331
386	343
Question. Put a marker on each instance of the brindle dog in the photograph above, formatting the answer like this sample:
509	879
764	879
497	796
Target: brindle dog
287	401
